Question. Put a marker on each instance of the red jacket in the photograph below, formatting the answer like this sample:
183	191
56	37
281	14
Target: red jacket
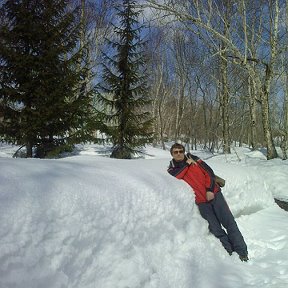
199	176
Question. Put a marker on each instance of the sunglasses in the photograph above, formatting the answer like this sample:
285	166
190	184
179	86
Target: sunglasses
178	151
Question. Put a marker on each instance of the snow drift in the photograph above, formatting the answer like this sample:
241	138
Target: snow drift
90	221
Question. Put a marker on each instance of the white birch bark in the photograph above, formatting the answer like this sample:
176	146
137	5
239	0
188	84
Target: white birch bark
201	21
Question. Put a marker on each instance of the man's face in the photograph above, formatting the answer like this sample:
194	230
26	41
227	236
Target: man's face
178	154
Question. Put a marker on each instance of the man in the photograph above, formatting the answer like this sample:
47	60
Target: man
209	198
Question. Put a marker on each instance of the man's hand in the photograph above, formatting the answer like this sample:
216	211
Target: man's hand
190	161
209	195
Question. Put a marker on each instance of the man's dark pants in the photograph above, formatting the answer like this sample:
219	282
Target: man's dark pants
217	212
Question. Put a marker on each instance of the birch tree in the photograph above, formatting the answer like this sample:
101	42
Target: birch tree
181	74
198	16
284	132
161	92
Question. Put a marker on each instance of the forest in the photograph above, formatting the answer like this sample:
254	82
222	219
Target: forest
206	73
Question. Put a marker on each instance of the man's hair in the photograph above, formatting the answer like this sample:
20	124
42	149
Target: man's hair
177	145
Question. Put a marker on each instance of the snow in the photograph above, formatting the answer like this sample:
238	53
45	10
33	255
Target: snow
90	221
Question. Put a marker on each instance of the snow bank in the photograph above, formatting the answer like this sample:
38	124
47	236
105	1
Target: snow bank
70	222
90	221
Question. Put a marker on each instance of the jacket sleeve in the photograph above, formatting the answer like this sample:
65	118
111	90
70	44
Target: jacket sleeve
209	176
178	172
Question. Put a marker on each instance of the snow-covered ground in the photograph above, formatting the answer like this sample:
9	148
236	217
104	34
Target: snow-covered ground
90	221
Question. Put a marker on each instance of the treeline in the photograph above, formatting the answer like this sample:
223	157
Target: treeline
210	73
49	98
227	76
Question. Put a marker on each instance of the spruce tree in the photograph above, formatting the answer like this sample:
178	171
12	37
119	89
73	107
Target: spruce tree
123	92
39	84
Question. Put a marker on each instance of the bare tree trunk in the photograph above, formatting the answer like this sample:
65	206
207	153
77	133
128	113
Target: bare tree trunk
29	149
180	107
204	107
162	126
271	151
284	142
252	110
160	94
155	104
224	104
179	47
155	122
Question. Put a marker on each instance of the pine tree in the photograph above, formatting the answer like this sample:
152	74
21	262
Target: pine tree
39	82
123	93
